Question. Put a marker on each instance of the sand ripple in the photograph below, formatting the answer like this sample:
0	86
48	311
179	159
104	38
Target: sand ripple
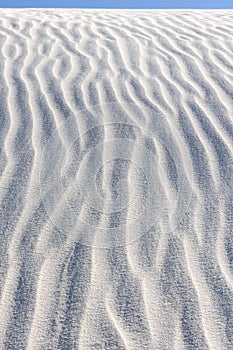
116	173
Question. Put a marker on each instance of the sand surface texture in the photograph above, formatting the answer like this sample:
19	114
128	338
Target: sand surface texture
116	180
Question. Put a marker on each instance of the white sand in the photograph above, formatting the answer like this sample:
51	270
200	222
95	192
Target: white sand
116	187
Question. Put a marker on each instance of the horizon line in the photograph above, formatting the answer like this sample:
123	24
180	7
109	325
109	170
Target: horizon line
118	8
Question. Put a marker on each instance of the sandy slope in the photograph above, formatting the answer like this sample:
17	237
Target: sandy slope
116	167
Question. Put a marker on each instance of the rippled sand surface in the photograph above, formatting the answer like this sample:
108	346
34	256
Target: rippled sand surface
116	180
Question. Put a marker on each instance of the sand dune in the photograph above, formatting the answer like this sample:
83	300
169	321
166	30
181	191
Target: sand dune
116	186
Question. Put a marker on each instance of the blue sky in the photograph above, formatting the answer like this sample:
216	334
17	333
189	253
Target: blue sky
119	3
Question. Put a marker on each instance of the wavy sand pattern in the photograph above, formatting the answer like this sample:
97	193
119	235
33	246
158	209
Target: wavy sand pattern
116	187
